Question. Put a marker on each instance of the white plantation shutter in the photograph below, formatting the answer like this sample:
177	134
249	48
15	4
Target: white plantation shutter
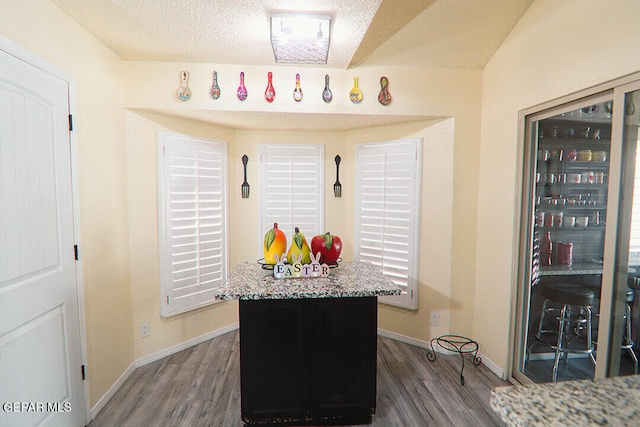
291	182
387	213
192	189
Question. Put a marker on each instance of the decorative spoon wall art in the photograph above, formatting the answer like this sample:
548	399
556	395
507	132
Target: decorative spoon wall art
327	96
270	92
242	91
356	94
384	97
215	89
297	92
184	93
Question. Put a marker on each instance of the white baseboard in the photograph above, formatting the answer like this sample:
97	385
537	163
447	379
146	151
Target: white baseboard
494	368
183	346
109	394
427	344
403	338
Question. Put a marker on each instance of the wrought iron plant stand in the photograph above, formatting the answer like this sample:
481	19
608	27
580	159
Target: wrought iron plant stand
457	344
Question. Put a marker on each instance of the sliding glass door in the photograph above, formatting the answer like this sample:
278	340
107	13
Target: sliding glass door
578	275
622	323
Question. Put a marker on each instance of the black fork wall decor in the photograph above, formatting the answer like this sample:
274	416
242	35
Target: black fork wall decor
337	187
245	184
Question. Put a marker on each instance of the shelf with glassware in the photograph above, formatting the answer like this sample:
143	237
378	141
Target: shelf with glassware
589	123
570	206
568	250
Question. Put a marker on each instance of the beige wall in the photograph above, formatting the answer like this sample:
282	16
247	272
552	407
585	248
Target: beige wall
100	134
556	49
141	159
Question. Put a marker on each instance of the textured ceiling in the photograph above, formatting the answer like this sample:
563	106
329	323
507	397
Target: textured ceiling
421	33
216	31
429	33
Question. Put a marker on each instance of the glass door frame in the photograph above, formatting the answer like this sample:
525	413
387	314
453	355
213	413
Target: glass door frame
614	300
521	269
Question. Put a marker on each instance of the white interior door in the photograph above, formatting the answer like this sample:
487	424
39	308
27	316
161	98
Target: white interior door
40	347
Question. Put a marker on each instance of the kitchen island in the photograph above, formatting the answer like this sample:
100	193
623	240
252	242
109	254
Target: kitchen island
605	402
308	346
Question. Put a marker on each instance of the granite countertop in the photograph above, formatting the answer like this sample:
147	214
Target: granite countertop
604	402
249	281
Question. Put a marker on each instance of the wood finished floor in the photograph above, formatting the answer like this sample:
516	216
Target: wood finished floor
200	386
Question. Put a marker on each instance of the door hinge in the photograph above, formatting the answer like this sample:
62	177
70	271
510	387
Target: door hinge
70	123
411	293
83	373
167	299
75	252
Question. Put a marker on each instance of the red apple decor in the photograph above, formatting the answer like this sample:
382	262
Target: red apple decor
329	247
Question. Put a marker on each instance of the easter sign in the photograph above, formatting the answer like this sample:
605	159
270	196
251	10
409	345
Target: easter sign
299	270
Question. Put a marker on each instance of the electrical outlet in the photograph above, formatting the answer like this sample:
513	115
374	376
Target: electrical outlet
435	318
145	330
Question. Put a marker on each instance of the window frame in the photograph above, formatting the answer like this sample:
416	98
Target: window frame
170	306
266	223
409	298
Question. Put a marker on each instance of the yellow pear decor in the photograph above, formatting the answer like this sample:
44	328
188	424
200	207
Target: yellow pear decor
275	243
299	246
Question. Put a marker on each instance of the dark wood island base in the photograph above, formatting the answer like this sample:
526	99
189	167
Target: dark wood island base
308	345
308	361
